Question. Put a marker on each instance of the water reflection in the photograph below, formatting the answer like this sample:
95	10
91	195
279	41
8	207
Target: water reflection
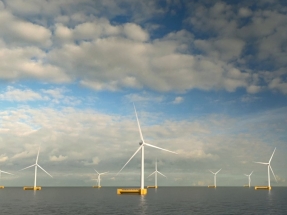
142	205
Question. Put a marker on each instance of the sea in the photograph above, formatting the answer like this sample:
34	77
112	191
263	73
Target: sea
161	201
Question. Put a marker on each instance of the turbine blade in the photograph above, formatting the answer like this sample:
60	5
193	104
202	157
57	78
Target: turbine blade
152	174
211	172
217	171
6	172
251	173
246	175
261	163
44	170
159	148
272	155
156	165
103	173
96	171
273	173
130	159
139	125
27	167
38	155
161	174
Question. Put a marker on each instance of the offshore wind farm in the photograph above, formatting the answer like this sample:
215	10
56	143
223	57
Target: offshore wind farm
199	85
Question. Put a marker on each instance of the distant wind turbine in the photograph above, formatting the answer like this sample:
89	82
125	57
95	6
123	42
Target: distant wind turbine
269	167
36	165
214	173
155	172
99	177
142	145
249	179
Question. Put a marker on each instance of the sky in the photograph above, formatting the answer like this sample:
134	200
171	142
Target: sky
208	80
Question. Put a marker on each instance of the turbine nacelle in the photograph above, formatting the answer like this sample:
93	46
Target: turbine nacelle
141	142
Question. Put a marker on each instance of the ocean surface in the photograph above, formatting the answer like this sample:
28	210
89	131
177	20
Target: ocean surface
164	200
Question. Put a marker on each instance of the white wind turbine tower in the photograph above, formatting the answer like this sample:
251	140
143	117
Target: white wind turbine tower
155	172
214	173
268	167
1	187
36	165
99	178
249	179
142	191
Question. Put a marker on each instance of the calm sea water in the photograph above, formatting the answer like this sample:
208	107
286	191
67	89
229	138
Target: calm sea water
164	200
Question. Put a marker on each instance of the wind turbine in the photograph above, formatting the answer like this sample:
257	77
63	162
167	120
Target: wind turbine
268	167
142	145
249	179
1	187
155	172
214	173
99	178
36	165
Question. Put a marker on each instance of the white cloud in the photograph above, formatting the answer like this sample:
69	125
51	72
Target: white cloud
18	31
56	93
144	97
19	95
3	158
96	160
244	12
88	138
178	100
28	63
105	55
135	32
278	84
58	158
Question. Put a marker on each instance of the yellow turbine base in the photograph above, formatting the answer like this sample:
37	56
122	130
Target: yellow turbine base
32	188
263	188
97	186
211	186
132	191
1	187
152	187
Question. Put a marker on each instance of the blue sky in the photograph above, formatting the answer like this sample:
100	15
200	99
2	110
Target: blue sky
208	79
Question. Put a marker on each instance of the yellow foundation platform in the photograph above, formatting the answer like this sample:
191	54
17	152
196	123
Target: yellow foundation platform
1	187
211	186
97	186
32	188
151	187
132	191
263	188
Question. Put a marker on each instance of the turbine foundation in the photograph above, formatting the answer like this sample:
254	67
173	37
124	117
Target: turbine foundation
152	187
132	191
32	188
263	188
1	187
211	186
97	186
